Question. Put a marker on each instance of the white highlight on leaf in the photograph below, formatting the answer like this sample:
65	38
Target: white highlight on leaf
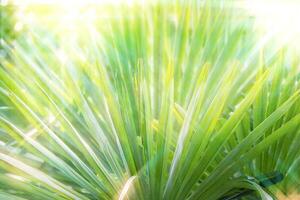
20	178
126	188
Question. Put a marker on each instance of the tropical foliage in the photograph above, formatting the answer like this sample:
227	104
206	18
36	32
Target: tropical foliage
161	101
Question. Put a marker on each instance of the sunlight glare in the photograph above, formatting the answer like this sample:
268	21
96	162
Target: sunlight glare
282	17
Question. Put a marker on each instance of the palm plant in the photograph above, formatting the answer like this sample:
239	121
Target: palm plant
163	101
